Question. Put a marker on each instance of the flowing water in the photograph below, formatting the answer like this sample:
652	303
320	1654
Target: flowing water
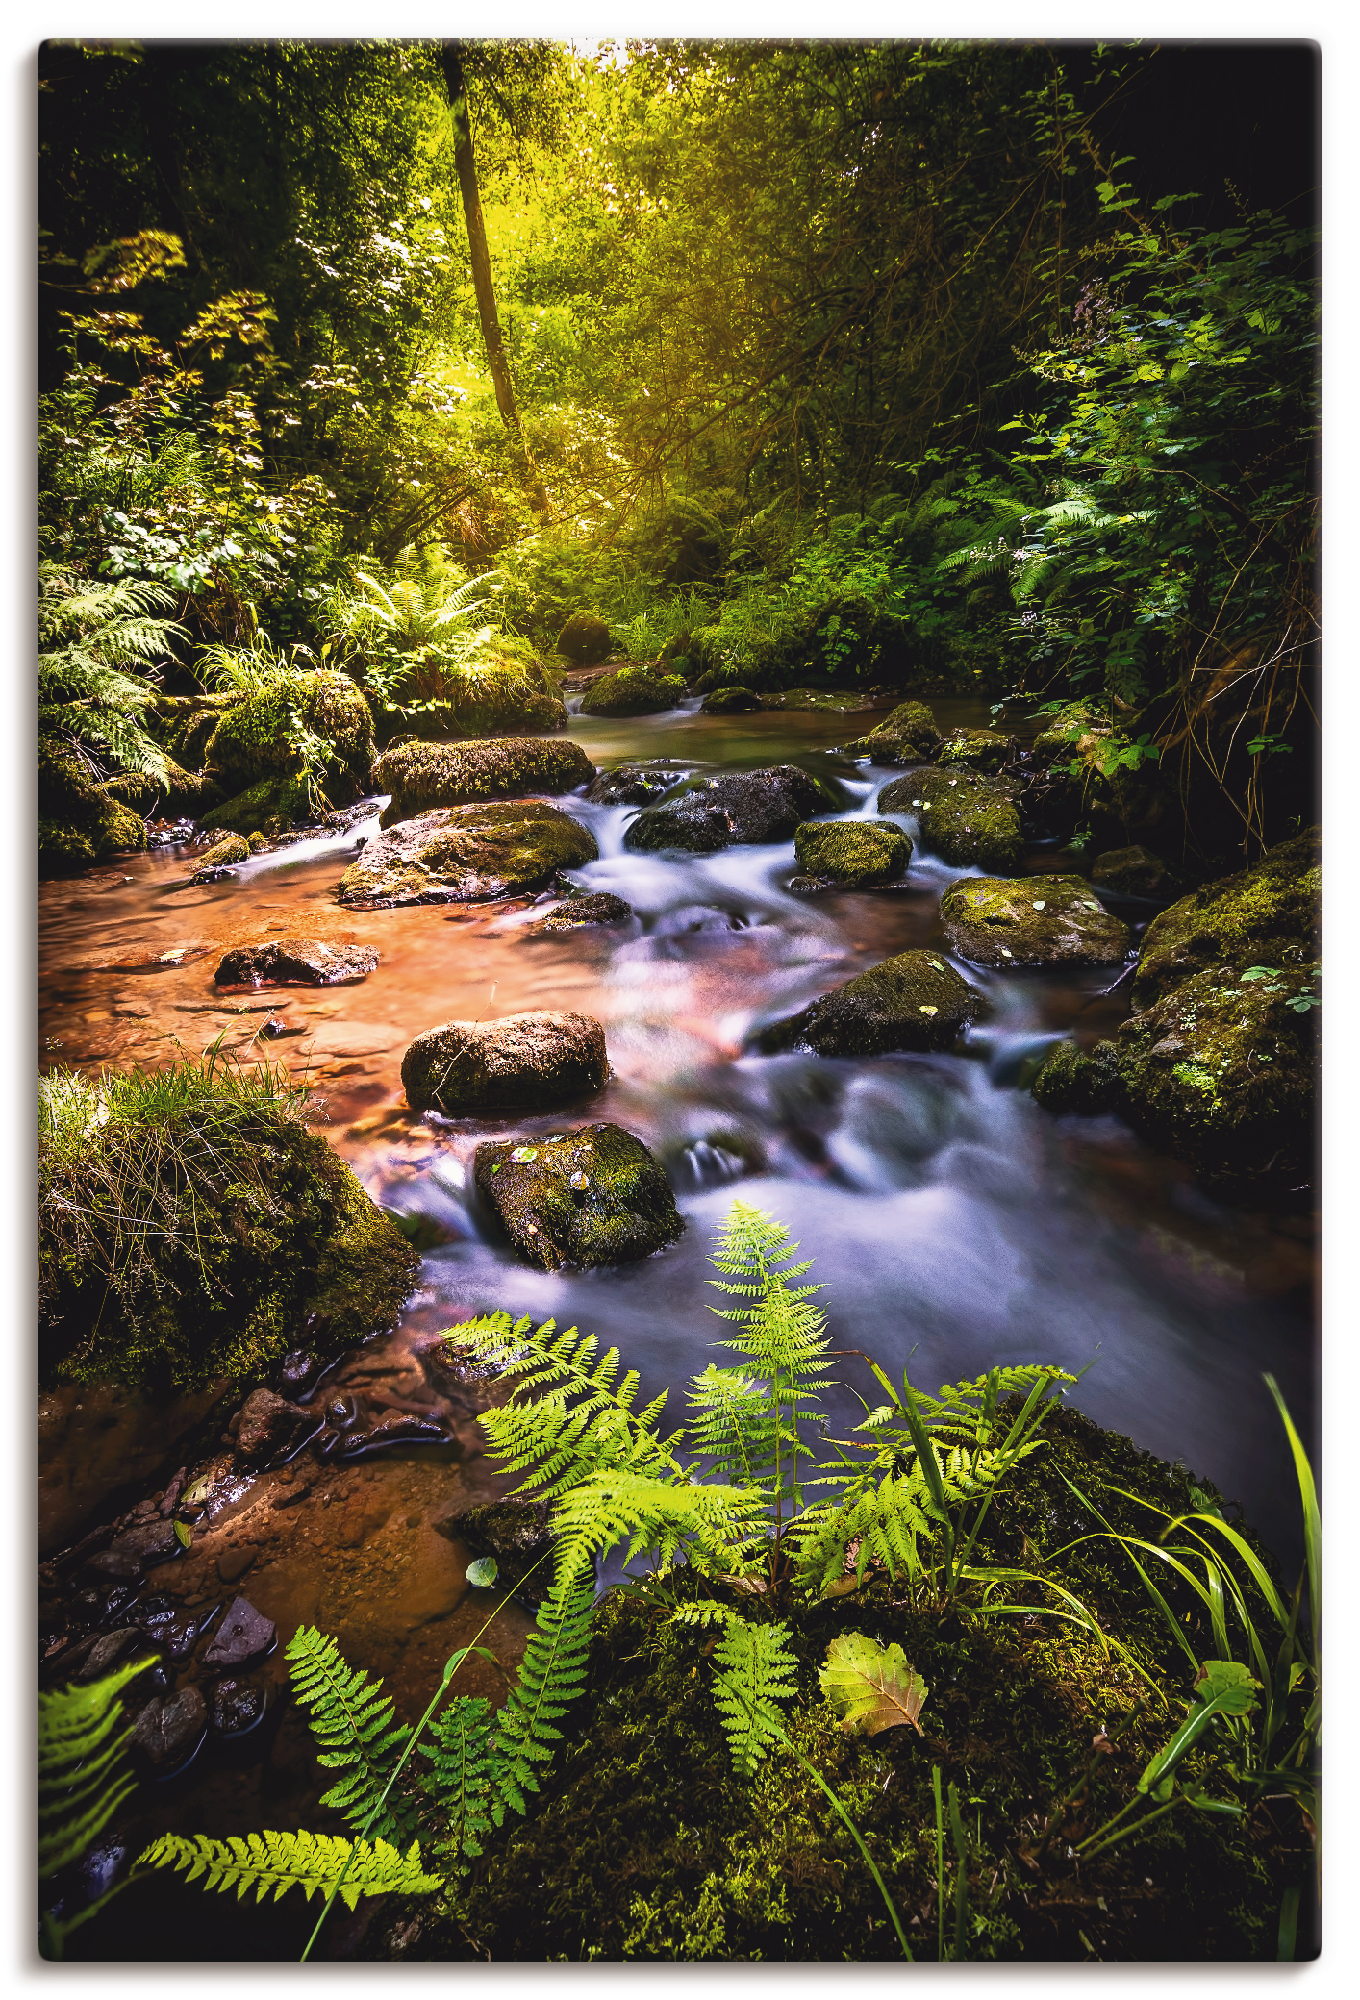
953	1223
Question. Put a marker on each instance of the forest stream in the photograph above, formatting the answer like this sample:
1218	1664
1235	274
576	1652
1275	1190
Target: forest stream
954	1224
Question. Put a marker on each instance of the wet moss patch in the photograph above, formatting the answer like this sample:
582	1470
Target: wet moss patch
594	1196
421	776
966	820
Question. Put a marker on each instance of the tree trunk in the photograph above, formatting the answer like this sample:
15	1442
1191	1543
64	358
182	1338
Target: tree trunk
465	161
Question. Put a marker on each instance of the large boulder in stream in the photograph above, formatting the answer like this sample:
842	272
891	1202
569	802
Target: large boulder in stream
732	701
735	807
914	1000
594	1196
421	776
850	853
633	691
466	854
1266	915
908	735
1218	1062
1031	920
525	1062
578	913
967	821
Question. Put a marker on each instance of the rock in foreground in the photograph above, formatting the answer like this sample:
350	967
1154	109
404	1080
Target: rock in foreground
595	1196
466	854
912	1001
739	806
525	1062
1266	915
422	776
296	961
1031	920
852	853
967	821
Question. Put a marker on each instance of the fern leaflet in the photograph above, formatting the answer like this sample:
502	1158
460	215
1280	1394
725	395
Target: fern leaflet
353	1722
462	1780
551	1675
83	1773
755	1672
273	1863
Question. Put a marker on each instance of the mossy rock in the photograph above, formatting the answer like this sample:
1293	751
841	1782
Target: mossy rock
968	821
466	854
594	1196
852	853
581	913
225	853
523	1062
420	776
909	734
831	701
633	691
1266	915
644	1845
1220	1071
286	1249
185	724
584	639
915	1000
1071	1080
80	821
736	807
263	735
976	750
273	806
732	701
1031	920
1130	871
509	699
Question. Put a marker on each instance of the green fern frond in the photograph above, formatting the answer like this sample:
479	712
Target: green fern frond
354	1725
701	1614
717	1525
83	1772
883	1522
568	1416
755	1671
462	1780
733	1425
272	1863
551	1676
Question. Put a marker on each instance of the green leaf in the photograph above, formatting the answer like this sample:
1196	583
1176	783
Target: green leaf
482	1573
874	1687
184	1534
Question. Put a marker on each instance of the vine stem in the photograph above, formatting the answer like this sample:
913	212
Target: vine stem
858	1839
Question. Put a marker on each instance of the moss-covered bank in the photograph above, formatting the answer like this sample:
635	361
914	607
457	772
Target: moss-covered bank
191	1227
644	1845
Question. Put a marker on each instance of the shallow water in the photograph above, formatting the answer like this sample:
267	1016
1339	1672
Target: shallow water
953	1223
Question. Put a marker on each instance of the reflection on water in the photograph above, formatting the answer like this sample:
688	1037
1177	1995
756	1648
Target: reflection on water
953	1224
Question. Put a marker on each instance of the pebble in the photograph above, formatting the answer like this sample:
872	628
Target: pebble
243	1635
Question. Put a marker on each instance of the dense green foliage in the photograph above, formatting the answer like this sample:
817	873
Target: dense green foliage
826	359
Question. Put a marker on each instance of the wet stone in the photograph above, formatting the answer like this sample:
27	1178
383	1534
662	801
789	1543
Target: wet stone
738	807
635	784
243	1635
624	1211
232	1564
170	1727
296	961
914	1000
109	1650
236	1707
524	1062
270	1427
136	1550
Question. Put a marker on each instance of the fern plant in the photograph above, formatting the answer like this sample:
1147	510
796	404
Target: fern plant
319	1864
83	1778
98	646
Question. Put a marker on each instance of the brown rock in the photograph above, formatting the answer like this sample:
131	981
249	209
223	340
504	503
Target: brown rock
526	1062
